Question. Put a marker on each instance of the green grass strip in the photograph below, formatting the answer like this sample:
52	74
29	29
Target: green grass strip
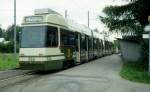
135	71
7	62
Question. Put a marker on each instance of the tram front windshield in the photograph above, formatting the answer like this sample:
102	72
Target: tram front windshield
39	37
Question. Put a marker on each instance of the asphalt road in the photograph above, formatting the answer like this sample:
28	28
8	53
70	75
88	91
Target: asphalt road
98	76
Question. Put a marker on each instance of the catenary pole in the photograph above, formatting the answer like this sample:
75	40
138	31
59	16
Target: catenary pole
147	29
15	52
88	19
66	13
149	46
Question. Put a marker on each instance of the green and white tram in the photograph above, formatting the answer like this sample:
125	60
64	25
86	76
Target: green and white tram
49	42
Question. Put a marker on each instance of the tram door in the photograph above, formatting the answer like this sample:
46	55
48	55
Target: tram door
87	48
78	50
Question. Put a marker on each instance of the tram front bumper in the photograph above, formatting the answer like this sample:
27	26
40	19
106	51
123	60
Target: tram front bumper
40	63
47	65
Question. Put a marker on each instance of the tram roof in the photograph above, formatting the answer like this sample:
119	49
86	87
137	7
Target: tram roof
97	35
56	19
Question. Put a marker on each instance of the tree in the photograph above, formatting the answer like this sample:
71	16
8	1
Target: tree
2	33
10	33
131	17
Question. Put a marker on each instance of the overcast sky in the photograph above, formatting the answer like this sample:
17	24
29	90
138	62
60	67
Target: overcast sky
77	9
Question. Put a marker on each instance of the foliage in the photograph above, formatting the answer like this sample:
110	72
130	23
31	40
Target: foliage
10	33
2	33
135	71
7	62
7	48
131	17
116	44
130	20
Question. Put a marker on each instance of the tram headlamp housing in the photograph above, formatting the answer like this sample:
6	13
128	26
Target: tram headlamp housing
21	54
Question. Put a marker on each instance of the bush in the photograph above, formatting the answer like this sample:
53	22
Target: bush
7	48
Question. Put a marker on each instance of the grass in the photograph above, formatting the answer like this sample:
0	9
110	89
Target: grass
135	71
7	62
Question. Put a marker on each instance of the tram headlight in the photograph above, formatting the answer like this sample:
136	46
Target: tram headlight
21	54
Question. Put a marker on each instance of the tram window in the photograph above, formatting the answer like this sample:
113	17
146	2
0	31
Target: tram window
98	44
67	38
94	43
52	37
101	45
83	43
76	42
72	39
33	36
90	44
64	39
86	39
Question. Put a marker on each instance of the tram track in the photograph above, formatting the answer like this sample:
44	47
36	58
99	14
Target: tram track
12	73
5	82
24	78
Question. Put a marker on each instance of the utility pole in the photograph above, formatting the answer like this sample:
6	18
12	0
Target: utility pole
15	52
66	13
147	29
88	19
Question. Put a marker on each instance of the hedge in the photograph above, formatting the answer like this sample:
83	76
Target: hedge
7	48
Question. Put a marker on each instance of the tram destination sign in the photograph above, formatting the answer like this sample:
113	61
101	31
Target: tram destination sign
33	19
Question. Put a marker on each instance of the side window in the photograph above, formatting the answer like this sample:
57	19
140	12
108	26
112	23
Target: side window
98	44
52	37
101	45
76	42
86	39
90	43
63	37
83	42
71	39
94	43
67	37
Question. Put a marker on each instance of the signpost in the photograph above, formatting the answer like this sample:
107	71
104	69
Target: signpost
147	29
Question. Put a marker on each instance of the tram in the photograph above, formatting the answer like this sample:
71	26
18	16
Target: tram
49	42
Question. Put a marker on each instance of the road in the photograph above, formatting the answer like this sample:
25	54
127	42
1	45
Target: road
10	73
101	75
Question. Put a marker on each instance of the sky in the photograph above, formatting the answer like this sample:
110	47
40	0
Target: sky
77	10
